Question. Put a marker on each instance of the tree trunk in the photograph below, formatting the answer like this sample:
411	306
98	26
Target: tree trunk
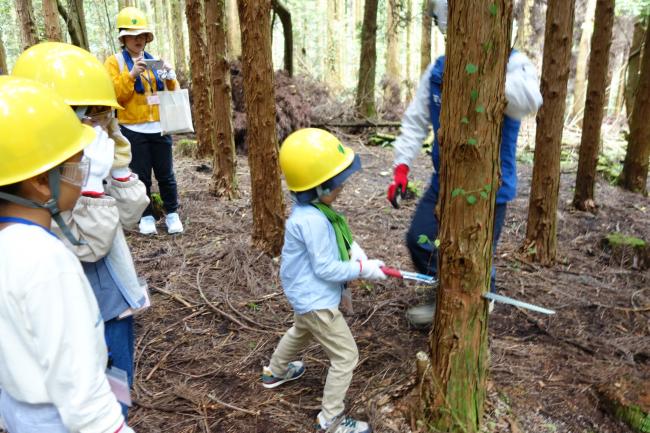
523	29
634	176
287	31
365	99
125	3
392	40
234	32
178	41
75	21
581	62
470	133
409	25
601	40
51	18
541	235
224	180
634	60
261	137
3	57
425	43
332	65
28	30
162	38
199	70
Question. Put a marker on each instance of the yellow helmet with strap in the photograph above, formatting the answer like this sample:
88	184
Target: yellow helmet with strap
132	21
72	72
309	157
38	130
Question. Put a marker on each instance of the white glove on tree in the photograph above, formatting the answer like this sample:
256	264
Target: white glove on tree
101	154
356	253
371	270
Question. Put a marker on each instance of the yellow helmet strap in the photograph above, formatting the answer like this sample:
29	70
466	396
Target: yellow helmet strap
54	180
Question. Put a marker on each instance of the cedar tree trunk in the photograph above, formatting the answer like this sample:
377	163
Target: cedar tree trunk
365	100
51	17
425	42
633	62
287	31
28	30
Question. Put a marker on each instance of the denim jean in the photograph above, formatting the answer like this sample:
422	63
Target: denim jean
425	255
120	341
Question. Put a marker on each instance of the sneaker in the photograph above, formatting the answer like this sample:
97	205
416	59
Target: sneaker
174	224
295	371
147	225
341	424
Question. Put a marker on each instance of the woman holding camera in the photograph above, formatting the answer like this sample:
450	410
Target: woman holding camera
137	77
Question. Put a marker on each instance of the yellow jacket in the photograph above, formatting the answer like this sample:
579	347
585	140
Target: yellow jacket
136	109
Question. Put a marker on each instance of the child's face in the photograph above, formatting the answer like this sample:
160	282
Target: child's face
331	197
98	115
135	44
69	192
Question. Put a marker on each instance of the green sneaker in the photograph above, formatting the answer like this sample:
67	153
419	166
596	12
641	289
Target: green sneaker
341	424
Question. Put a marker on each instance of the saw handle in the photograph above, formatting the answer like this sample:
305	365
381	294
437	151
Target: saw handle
391	272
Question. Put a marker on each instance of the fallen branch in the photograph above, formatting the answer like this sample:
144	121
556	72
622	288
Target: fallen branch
212	397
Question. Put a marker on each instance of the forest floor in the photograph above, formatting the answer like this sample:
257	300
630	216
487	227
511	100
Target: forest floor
218	312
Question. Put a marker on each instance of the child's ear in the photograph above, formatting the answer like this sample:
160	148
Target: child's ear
38	187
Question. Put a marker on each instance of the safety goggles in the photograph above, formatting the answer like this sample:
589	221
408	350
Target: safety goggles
102	119
75	173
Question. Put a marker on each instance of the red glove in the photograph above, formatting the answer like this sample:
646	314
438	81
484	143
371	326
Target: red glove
398	187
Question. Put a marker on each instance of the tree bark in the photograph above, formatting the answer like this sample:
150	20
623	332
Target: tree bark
224	180
634	60
234	31
178	42
287	31
581	62
261	136
3	56
332	64
523	31
409	26
28	30
51	18
392	40
365	99
541	230
425	42
125	3
634	176
454	391
75	21
601	41
199	70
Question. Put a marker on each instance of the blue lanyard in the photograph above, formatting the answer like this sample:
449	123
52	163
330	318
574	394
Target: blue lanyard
27	223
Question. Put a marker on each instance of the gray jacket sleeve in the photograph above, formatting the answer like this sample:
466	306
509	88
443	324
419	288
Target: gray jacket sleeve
130	197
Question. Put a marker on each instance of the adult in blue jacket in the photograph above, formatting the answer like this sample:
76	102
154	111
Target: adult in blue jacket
523	98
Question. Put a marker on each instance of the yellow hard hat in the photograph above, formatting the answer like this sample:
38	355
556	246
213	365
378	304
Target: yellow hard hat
75	74
132	21
38	130
309	157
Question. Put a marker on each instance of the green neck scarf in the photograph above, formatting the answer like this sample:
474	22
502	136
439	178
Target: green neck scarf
341	229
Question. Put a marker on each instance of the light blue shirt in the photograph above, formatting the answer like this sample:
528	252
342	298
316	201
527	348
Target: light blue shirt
312	272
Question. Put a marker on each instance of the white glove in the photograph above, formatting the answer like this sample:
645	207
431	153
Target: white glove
371	270
120	173
356	253
100	152
167	72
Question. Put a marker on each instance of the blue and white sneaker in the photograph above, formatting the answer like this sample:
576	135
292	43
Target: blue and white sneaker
295	371
341	424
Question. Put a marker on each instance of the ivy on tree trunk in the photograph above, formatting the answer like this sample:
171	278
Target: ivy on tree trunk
453	391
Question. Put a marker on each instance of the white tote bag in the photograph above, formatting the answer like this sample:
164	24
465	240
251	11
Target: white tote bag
175	112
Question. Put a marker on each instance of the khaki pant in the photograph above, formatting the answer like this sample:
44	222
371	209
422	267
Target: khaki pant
327	327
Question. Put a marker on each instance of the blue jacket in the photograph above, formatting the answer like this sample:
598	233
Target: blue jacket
509	133
312	272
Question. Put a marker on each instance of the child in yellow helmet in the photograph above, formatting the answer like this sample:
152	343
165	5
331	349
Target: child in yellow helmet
100	213
52	351
318	257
